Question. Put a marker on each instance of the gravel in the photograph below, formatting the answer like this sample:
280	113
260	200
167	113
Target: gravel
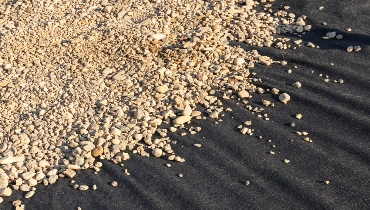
81	81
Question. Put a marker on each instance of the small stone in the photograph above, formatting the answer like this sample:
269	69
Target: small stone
292	124
349	49
326	182
247	183
115	131
52	179
339	36
158	36
243	94
32	182
157	152
29	194
297	85
284	98
187	111
357	48
108	9
94	187
162	89
83	187
17	203
298	116
214	115
69	173
286	161
181	175
121	14
114	184
181	120
96	152
24	188
197	145
5	192
239	61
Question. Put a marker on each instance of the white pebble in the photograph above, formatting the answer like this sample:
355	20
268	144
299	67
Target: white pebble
284	98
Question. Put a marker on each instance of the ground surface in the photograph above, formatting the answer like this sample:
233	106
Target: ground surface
336	116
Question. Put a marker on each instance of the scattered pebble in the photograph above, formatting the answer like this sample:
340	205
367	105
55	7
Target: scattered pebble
114	183
284	98
181	175
297	85
298	116
286	161
83	187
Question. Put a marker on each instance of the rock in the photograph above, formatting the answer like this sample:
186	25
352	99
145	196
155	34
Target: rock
28	175
32	182
24	188
69	173
162	89
121	13
115	131
96	152
52	179
5	192
119	76
214	115
12	159
297	85
182	119
125	156
187	111
83	187
108	9
29	194
243	94
158	36
80	160
40	176
239	61
284	98
87	145
44	163
157	152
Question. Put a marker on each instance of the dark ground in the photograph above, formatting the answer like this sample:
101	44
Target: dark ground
336	116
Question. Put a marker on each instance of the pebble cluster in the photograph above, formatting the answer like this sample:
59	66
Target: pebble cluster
91	79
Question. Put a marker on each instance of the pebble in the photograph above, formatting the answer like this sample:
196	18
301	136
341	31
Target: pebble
83	187
357	48
239	61
158	36
297	85
162	89
157	152
5	192
298	116
69	173
243	94
349	49
114	184
182	119
284	98
29	194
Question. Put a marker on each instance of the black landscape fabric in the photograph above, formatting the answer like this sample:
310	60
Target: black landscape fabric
336	116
